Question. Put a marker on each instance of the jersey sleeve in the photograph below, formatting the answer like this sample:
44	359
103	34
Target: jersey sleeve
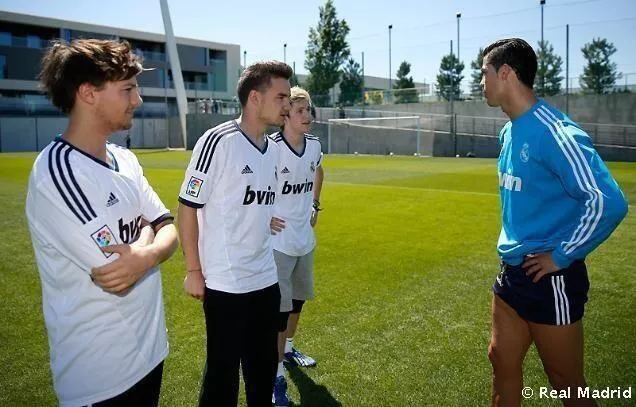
152	208
53	224
569	154
203	169
317	150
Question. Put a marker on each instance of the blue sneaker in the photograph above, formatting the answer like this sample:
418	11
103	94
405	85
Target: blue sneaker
296	357
279	398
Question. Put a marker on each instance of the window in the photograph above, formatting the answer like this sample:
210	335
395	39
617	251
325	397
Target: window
33	41
5	38
3	67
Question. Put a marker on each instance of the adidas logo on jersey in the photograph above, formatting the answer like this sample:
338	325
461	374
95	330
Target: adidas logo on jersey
285	171
260	197
297	188
247	170
112	200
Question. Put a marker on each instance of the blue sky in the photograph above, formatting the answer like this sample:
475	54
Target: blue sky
421	33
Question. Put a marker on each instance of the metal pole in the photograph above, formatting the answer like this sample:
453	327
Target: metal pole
542	2
418	136
567	69
451	96
328	136
390	73
363	86
165	101
459	16
285	53
244	59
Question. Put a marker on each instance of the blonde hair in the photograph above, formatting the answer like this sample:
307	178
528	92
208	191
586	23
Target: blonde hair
298	93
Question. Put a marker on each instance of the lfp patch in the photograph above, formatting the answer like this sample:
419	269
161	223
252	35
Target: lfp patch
194	187
104	237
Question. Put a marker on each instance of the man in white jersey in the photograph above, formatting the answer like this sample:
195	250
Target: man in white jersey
226	203
300	178
87	204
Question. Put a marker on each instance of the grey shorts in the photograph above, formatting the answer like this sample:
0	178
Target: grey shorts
295	278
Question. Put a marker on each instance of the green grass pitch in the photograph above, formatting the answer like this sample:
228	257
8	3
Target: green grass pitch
405	260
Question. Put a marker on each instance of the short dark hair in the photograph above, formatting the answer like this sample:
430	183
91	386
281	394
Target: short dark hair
258	76
517	54
65	67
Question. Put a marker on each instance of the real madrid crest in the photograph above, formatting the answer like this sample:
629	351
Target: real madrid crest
312	167
525	152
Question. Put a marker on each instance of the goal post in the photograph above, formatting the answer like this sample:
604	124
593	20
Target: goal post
399	135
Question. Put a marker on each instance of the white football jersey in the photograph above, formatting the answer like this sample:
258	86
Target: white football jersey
295	196
100	344
232	183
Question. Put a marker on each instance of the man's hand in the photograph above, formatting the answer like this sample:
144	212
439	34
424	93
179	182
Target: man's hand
276	225
541	264
194	284
123	273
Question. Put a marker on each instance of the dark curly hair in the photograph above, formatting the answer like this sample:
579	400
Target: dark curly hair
65	67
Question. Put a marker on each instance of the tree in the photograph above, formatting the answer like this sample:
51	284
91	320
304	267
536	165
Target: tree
409	94
327	49
475	82
547	82
599	75
293	81
351	83
450	70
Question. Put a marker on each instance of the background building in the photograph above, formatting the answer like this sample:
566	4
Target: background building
210	69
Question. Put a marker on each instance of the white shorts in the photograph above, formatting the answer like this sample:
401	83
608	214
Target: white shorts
295	278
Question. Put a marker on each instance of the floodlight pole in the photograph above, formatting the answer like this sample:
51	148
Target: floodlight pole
542	2
363	86
459	16
390	73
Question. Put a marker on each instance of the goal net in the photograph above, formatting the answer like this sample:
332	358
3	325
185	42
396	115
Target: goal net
403	135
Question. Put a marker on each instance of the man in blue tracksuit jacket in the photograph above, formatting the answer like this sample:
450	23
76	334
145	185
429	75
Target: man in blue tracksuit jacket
558	203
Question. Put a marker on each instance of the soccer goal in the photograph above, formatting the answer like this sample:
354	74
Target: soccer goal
400	135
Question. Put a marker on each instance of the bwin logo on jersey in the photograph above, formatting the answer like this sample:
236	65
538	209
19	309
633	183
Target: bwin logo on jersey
510	182
260	197
297	188
129	232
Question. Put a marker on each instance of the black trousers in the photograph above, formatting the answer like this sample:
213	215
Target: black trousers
145	393
242	330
